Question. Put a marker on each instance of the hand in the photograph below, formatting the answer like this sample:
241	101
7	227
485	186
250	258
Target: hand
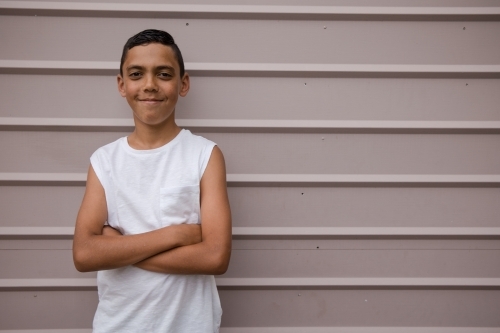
110	231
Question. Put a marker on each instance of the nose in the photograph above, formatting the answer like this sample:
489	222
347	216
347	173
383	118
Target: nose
150	84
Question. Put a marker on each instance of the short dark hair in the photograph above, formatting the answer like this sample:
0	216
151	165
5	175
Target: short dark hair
152	36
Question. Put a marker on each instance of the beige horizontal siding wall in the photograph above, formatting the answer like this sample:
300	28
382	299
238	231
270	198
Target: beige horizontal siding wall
362	146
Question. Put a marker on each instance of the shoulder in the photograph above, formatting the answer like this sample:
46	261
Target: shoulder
108	149
196	139
199	149
103	156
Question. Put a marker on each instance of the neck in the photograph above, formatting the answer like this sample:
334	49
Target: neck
147	136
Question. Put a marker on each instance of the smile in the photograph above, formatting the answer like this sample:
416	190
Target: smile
150	101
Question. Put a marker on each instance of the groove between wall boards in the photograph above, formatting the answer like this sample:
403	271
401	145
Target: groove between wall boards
64	330
290	232
247	11
261	69
352	330
278	283
317	180
309	330
258	125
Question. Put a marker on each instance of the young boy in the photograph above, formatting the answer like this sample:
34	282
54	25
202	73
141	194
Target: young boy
155	219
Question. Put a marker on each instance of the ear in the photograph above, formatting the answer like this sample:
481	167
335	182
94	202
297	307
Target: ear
121	85
184	85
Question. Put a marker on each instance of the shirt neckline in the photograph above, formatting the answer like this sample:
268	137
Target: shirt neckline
126	146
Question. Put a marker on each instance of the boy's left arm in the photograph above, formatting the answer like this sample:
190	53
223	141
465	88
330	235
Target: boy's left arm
211	255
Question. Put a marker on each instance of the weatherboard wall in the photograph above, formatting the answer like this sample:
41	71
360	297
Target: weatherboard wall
361	140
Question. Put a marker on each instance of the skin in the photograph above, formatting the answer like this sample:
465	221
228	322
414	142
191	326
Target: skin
151	84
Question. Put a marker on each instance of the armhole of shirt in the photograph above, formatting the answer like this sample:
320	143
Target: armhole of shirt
96	165
207	153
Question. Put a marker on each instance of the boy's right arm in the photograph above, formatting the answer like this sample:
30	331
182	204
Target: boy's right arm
94	251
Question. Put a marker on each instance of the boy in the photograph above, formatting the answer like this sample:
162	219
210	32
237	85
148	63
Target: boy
155	219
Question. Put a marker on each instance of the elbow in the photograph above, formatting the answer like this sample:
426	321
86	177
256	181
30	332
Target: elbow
221	263
220	269
80	260
80	265
81	268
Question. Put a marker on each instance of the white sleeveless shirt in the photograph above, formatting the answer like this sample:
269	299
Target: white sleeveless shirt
146	190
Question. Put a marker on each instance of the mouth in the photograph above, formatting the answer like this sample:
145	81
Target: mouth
150	100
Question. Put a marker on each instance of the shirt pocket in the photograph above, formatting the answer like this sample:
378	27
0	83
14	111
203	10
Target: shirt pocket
180	204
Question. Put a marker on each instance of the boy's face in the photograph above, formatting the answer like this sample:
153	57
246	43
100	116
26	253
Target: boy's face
151	83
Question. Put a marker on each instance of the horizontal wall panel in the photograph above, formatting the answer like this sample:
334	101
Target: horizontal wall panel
40	205
360	308
340	99
47	309
258	126
359	154
370	3
246	12
42	284
262	98
365	207
285	308
377	232
295	244
262	69
364	263
288	206
67	244
43	264
284	153
342	42
282	180
292	233
50	153
224	283
356	283
326	244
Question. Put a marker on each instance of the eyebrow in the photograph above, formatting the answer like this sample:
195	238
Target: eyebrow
156	68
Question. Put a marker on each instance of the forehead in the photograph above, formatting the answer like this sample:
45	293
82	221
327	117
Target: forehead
151	55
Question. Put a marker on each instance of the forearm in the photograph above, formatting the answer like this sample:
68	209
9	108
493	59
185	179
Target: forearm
94	252
201	258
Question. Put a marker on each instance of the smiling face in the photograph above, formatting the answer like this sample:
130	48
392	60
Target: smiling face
151	83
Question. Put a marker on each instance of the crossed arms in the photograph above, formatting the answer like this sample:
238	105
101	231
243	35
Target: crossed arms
179	249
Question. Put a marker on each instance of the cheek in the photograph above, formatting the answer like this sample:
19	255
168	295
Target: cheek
171	93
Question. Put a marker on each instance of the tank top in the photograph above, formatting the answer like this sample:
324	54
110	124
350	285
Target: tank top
146	190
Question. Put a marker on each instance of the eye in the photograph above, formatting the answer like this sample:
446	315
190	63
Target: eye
135	75
164	75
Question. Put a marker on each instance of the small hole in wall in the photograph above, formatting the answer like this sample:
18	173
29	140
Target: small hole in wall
187	23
